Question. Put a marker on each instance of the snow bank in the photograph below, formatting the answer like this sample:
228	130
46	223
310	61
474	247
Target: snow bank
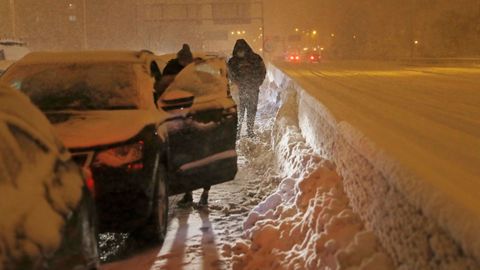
411	238
306	223
39	188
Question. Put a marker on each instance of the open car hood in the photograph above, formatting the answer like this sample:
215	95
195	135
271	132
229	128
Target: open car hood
78	129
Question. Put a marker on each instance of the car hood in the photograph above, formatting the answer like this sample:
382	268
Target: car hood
93	128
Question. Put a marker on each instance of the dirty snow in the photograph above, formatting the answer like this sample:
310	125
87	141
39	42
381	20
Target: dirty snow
196	236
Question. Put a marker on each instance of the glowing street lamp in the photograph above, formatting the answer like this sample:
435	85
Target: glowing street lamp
314	32
416	42
296	29
332	35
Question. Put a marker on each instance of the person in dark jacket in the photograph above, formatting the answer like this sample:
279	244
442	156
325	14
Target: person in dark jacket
173	67
247	71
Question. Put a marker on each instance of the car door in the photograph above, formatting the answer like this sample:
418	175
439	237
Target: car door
202	138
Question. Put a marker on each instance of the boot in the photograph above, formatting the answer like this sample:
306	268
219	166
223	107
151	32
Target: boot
203	199
186	200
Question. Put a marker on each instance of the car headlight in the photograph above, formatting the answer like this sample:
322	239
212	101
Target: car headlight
119	156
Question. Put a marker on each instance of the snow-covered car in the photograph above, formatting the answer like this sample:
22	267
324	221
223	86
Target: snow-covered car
102	106
12	50
47	218
4	64
202	137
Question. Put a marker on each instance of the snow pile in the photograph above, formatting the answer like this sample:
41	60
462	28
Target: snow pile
412	237
39	188
306	223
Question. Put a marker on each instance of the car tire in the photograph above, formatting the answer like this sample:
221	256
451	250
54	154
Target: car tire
79	248
155	228
90	232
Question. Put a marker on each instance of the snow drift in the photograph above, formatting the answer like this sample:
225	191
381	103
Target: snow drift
315	219
307	223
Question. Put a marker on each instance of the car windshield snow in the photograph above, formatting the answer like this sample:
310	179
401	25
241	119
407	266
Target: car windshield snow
76	86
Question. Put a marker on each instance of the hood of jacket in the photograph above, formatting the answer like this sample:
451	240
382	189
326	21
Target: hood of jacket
241	44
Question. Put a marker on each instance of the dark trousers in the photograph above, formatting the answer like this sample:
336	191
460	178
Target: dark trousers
248	103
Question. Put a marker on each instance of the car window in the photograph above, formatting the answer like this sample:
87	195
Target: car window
78	86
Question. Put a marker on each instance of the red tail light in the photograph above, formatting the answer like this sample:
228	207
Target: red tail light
311	57
297	57
291	57
89	181
135	166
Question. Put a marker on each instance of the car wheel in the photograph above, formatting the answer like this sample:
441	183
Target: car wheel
155	228
79	246
90	233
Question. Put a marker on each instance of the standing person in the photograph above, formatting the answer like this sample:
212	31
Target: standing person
173	67
247	71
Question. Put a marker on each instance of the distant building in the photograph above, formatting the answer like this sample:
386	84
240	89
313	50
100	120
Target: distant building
158	25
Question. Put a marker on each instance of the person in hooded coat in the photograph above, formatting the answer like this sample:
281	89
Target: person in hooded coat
173	67
247	70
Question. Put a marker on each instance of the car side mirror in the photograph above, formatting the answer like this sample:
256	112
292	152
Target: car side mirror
176	100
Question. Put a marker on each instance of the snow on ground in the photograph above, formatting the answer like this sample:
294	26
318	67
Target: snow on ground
195	237
307	222
341	213
406	141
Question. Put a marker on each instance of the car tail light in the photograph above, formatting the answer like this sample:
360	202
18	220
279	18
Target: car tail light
291	57
297	57
89	181
121	155
312	57
135	166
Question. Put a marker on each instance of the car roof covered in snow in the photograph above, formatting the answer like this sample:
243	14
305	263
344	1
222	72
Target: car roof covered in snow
85	56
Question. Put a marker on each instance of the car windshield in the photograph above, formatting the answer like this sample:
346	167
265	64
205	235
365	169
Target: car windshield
76	86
